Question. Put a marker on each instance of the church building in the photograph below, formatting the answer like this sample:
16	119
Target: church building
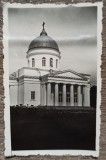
43	83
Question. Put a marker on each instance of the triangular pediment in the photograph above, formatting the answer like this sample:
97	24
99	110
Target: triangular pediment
68	74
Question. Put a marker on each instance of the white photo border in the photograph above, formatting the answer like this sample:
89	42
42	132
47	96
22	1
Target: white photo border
8	149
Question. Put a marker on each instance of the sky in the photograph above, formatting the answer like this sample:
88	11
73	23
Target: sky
73	28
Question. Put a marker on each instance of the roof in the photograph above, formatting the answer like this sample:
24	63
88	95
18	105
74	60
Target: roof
67	74
43	41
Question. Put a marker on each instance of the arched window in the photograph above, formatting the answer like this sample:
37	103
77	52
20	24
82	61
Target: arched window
51	62
28	63
43	61
56	63
33	62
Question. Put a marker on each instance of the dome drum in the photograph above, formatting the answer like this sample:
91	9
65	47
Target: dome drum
36	61
43	51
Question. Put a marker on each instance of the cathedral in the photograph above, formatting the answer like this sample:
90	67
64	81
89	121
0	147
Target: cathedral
43	83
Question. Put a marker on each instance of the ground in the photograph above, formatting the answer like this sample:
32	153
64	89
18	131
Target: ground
49	128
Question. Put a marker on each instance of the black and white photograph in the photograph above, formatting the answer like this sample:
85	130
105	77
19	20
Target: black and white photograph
53	78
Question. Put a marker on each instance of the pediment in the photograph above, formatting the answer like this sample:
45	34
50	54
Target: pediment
69	74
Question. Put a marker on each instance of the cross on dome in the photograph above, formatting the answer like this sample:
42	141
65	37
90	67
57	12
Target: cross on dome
43	24
43	30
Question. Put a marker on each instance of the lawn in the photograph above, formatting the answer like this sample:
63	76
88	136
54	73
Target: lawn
38	129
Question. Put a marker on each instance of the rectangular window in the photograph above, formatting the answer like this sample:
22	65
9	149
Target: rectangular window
68	97
60	93
32	95
75	94
60	97
75	98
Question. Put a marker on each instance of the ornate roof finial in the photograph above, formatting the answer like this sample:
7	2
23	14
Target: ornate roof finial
43	24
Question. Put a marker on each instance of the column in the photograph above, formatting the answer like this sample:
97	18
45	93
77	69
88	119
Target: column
44	95
64	94
87	96
71	95
41	98
79	96
48	94
56	94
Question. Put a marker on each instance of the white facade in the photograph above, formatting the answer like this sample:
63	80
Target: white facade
75	90
43	83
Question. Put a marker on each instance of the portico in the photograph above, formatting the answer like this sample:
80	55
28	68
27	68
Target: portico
60	93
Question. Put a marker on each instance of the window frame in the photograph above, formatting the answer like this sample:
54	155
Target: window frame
32	95
43	61
68	97
56	63
60	97
51	62
33	62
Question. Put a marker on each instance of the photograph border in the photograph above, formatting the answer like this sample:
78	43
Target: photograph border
6	99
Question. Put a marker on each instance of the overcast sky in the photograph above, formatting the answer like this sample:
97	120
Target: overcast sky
74	29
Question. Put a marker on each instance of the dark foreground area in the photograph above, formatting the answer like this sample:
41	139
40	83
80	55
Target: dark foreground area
48	128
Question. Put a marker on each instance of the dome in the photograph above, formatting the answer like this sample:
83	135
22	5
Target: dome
43	41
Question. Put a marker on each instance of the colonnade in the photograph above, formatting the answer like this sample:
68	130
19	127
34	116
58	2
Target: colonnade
83	95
